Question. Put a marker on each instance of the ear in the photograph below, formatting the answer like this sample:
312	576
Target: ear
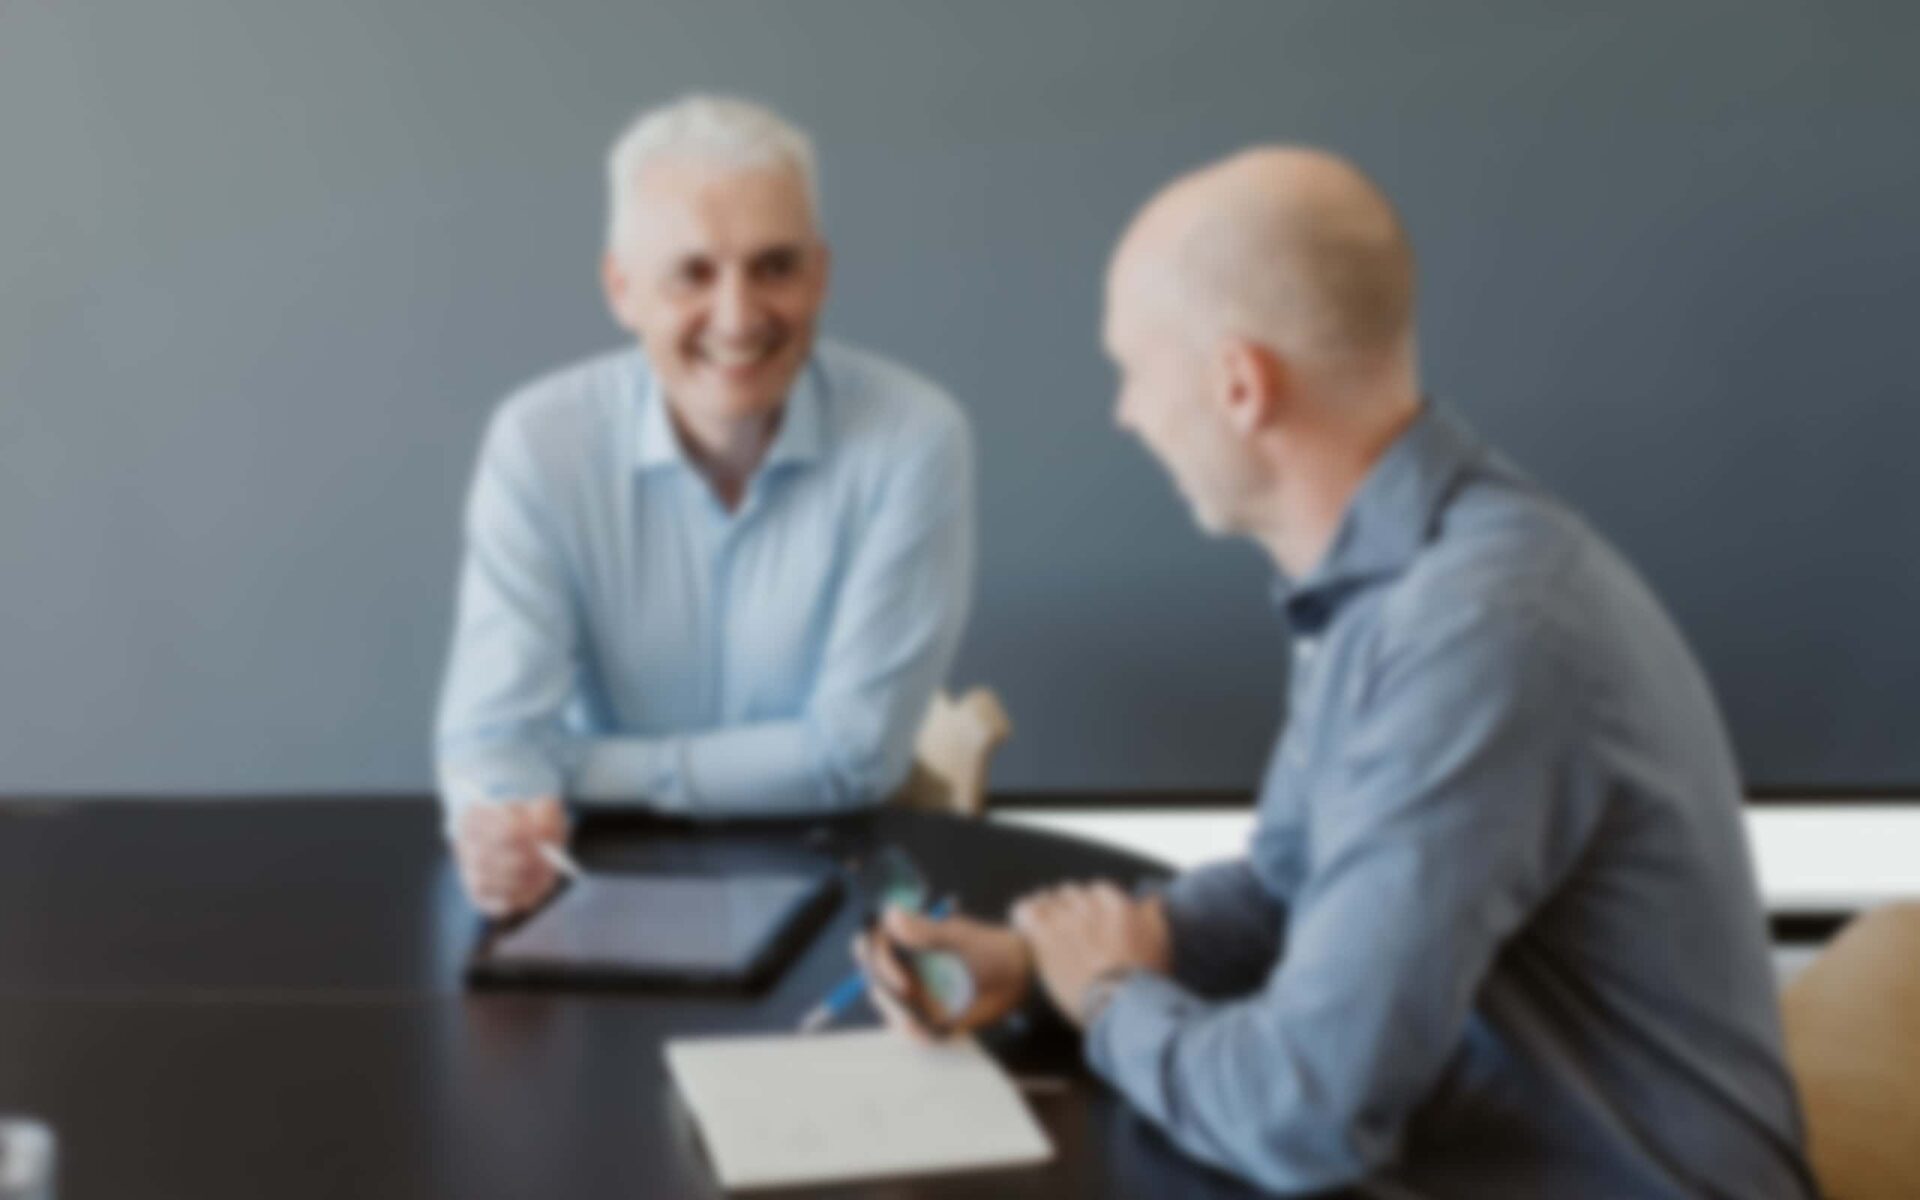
1255	382
823	275
617	286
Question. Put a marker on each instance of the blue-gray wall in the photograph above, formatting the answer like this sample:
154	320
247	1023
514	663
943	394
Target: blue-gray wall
264	267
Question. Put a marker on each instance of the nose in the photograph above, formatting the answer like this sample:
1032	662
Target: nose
735	311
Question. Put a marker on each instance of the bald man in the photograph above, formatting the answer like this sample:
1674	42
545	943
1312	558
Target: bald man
1496	933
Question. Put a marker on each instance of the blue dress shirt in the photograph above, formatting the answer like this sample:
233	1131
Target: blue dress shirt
623	638
1497	933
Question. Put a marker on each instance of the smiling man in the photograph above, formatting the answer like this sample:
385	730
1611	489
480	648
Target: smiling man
717	574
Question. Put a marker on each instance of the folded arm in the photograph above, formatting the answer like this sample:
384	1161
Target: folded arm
894	631
896	626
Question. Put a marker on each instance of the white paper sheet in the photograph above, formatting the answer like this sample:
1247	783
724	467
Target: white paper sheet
817	1108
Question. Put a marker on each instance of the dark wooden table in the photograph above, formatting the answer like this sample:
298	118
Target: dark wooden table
263	998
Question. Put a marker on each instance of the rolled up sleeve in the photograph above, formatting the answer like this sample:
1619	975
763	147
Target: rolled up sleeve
1227	929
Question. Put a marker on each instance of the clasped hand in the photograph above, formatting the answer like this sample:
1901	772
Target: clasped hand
1068	936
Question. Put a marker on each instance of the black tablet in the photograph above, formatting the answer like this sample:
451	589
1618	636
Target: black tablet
733	931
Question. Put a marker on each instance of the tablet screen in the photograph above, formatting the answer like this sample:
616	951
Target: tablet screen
659	924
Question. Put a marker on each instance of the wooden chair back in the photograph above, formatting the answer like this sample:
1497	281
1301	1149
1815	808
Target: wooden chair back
954	751
1853	1041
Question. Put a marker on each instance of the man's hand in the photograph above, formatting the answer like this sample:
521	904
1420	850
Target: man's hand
1081	932
497	846
997	957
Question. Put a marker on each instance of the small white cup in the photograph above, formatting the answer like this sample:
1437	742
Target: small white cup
28	1156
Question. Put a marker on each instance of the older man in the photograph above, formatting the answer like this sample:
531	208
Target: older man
1496	933
722	572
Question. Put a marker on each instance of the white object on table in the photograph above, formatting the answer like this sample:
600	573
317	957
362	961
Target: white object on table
27	1159
562	862
864	1104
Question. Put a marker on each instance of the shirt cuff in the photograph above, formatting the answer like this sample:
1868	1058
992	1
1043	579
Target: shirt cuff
496	773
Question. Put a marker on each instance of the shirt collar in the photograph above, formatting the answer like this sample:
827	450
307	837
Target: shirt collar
1389	519
655	445
802	435
801	438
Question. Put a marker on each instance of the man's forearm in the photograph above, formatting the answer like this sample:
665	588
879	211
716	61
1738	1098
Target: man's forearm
767	768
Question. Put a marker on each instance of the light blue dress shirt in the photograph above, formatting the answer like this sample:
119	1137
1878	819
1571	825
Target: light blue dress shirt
1497	932
622	638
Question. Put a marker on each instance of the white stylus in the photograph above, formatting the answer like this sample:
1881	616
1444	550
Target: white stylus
562	862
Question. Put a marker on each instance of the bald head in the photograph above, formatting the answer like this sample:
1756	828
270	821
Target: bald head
1289	246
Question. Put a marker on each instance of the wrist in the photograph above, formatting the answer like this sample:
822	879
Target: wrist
1157	951
1029	964
1099	993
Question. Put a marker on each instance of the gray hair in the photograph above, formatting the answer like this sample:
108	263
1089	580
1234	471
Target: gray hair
723	129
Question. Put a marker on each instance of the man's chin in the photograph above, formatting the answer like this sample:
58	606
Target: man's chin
1210	526
744	394
1210	521
740	412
